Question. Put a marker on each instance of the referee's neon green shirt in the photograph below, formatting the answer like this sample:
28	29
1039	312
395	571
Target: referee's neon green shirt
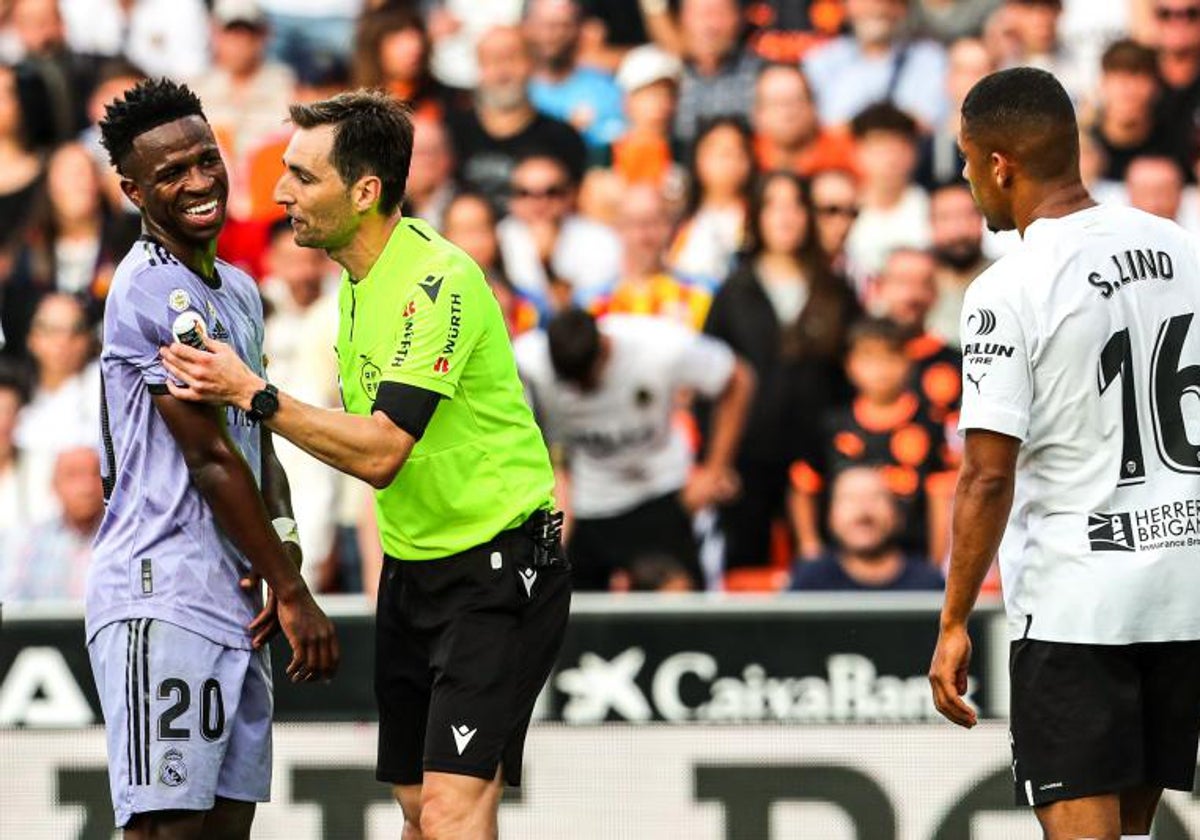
424	316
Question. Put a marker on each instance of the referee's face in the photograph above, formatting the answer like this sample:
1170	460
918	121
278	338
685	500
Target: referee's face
313	194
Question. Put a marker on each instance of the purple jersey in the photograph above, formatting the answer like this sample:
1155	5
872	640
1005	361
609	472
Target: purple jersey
159	552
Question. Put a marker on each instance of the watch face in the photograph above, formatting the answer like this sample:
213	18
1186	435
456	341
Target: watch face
264	403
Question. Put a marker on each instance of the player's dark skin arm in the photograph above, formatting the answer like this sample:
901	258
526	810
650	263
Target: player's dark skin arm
982	503
277	494
222	476
371	448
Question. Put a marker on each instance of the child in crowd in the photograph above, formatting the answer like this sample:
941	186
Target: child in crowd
886	425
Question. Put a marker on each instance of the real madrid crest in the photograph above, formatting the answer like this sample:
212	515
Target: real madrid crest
172	772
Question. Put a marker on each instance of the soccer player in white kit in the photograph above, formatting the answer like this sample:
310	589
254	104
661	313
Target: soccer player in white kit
1082	428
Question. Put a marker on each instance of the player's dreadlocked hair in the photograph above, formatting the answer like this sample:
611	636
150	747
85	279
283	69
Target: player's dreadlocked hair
151	103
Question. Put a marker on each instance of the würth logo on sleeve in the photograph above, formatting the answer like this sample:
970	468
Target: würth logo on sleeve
983	321
442	365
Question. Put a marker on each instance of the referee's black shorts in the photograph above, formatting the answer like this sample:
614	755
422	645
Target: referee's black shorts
463	646
1088	720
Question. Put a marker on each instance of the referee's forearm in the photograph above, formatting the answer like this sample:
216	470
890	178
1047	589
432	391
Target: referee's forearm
981	506
370	448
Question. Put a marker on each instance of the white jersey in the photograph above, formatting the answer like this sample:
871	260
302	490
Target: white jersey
623	445
1082	344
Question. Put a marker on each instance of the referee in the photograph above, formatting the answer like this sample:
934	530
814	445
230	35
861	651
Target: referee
474	593
1081	450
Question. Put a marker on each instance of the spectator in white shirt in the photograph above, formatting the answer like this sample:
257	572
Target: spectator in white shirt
19	504
245	95
894	211
66	394
49	561
605	394
720	176
550	252
1036	43
298	280
163	37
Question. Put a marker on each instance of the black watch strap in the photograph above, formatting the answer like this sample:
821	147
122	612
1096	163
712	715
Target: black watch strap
264	404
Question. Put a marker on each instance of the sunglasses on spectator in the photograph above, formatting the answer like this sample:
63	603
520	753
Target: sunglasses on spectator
1190	13
847	210
556	191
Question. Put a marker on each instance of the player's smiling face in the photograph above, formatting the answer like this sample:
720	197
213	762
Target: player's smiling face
316	199
177	179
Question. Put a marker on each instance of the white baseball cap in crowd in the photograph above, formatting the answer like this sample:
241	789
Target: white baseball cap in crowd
246	12
646	65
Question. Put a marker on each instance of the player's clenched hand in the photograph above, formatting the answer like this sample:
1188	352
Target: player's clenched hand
214	375
948	675
266	624
315	652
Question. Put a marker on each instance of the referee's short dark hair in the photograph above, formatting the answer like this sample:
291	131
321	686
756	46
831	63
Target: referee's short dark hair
1026	113
574	340
373	134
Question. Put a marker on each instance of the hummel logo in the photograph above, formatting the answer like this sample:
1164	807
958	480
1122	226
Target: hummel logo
462	736
431	287
976	382
528	576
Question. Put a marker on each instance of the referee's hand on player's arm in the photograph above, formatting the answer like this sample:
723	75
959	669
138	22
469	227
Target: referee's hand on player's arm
215	374
948	675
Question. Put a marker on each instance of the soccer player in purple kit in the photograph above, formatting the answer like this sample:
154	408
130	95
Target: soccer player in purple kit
176	623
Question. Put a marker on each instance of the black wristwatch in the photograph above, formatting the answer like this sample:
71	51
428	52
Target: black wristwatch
264	404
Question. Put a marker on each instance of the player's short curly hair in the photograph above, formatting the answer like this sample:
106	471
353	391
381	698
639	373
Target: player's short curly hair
146	106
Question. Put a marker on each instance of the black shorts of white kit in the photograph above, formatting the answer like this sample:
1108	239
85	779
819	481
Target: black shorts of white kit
1088	720
660	527
463	646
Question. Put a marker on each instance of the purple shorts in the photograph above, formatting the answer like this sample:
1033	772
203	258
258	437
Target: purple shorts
187	719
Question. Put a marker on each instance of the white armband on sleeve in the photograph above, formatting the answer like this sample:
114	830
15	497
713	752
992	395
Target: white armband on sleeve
286	528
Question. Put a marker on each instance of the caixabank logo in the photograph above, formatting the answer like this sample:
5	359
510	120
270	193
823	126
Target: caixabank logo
1111	532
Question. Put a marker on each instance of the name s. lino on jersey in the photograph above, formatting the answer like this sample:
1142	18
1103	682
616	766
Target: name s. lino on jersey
1096	328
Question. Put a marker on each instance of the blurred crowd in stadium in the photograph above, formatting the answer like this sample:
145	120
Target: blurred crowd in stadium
781	175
